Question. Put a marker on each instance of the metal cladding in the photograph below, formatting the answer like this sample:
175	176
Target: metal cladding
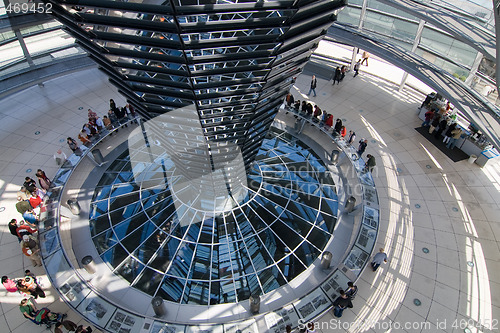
233	60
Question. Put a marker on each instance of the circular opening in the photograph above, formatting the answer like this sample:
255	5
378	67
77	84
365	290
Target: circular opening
156	229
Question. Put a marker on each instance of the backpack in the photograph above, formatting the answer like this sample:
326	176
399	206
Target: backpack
23	206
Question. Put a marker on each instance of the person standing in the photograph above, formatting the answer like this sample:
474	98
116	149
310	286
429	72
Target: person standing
32	286
28	309
343	70
441	127
370	163
73	145
9	285
24	229
343	131
366	55
112	105
435	122
43	180
57	328
91	114
351	137
13	229
296	105
99	123
60	157
428	117
337	75
289	100
362	146
317	113
351	291
30	248
455	135
29	184
426	101
356	68
378	259
35	200
309	109
324	116
338	126
329	121
22	194
303	107
314	83
447	134
341	303
131	110
84	138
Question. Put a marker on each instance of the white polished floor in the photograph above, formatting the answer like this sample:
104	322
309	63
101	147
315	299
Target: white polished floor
458	219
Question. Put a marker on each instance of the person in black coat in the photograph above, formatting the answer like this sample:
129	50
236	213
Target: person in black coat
341	303
303	107
309	109
314	83
435	122
29	184
442	126
338	126
336	75
362	146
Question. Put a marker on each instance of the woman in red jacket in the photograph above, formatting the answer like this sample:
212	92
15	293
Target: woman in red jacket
343	131
329	121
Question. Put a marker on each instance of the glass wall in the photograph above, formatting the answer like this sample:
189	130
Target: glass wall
400	28
390	26
349	16
45	42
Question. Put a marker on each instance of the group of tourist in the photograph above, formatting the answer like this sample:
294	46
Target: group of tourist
316	115
326	120
439	122
29	205
344	300
30	198
96	126
339	74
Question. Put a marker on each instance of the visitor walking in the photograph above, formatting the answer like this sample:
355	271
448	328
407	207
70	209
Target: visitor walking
365	57
362	146
314	83
356	68
378	259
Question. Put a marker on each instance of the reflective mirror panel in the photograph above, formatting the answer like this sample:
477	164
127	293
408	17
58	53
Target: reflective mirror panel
258	243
